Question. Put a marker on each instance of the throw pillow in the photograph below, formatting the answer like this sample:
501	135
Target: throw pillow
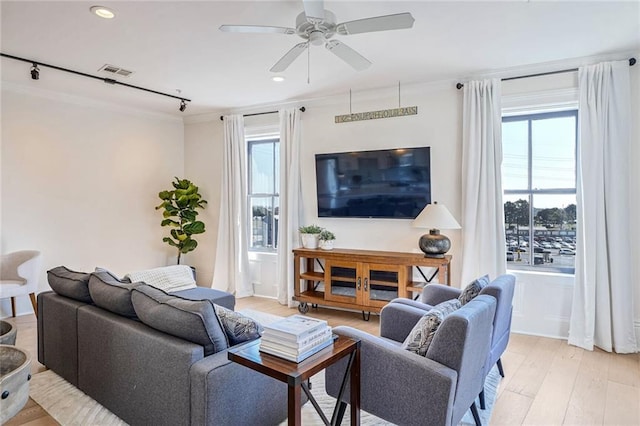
68	283
192	320
473	289
114	276
238	328
167	278
421	336
112	294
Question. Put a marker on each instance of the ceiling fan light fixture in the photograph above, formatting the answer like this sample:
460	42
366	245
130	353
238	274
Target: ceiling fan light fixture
103	12
278	78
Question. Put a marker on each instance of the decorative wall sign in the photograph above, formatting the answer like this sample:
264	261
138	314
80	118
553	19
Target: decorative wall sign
372	115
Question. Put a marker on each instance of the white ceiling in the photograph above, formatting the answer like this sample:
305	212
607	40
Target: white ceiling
177	45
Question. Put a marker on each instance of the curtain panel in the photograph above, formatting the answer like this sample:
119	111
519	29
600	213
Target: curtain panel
483	233
231	271
291	209
602	308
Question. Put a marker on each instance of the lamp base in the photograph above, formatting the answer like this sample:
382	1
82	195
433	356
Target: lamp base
434	244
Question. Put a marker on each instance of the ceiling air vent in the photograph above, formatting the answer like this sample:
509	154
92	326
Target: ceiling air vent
111	69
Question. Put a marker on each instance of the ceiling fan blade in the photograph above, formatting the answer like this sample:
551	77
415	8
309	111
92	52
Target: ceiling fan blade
314	9
347	54
256	29
289	57
379	23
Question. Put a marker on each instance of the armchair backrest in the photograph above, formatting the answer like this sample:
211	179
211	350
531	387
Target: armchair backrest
502	289
462	343
21	266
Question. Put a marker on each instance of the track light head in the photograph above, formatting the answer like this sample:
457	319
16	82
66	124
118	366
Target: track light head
35	72
183	105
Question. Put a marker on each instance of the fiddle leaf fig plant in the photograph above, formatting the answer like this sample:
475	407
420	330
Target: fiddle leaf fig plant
180	212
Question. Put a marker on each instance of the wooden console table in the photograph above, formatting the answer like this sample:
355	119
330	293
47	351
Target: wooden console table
296	375
364	280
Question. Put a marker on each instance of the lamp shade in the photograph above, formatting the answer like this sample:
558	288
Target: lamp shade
435	216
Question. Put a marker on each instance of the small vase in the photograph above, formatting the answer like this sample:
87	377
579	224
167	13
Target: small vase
326	244
309	241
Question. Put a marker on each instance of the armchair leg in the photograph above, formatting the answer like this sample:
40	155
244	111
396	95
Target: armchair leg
476	416
482	402
499	363
341	411
32	296
13	306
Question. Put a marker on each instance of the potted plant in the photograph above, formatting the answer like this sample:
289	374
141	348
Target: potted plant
309	235
326	239
180	213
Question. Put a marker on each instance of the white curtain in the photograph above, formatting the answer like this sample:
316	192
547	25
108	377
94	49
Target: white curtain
602	311
232	262
483	250
291	212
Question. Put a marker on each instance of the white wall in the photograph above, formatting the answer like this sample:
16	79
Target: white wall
80	181
203	166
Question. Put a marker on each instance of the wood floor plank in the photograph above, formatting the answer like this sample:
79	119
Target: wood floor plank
510	408
622	406
625	370
551	400
511	362
529	377
586	405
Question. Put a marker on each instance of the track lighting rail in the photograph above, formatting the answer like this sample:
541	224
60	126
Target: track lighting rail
36	64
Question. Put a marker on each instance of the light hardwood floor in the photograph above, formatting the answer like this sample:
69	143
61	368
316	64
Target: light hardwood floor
547	381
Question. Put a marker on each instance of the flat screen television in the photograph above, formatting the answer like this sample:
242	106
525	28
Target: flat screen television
389	183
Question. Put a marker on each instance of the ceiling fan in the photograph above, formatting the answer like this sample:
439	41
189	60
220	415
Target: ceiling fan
317	26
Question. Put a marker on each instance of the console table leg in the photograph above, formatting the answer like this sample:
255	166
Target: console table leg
293	406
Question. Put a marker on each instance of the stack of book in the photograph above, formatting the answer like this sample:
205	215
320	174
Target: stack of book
295	338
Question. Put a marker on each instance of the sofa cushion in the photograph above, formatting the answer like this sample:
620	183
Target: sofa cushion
167	278
422	334
473	289
68	283
192	320
238	327
112	294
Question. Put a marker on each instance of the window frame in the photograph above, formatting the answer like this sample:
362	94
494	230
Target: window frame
530	192
251	141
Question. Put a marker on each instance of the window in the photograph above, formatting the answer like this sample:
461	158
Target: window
263	198
539	181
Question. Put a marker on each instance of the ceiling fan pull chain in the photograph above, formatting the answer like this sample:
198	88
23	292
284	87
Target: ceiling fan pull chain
399	104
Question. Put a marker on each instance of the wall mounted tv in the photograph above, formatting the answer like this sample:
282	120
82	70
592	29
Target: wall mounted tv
390	183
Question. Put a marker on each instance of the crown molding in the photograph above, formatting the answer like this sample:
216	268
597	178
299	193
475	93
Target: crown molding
12	87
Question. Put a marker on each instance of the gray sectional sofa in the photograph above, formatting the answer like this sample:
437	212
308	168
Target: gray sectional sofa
142	374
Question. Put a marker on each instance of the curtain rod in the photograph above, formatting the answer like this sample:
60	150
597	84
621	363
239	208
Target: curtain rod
106	80
632	62
302	109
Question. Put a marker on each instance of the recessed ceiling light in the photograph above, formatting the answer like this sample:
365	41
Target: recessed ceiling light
103	12
277	78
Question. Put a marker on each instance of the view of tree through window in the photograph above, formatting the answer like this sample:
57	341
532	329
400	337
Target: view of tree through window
539	181
263	198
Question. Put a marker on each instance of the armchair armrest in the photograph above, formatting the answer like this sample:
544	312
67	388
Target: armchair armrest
397	385
433	294
397	320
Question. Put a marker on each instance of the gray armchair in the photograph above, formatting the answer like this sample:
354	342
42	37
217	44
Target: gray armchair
501	288
405	388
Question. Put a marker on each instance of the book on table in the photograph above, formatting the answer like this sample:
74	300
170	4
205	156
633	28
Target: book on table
294	328
296	357
296	337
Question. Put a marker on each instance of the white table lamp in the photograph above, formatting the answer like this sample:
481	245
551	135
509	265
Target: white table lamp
435	217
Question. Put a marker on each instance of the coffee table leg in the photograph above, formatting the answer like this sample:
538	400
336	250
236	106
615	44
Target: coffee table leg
294	407
355	389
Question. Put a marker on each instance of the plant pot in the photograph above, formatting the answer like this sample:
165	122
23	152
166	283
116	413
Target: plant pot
309	241
326	244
